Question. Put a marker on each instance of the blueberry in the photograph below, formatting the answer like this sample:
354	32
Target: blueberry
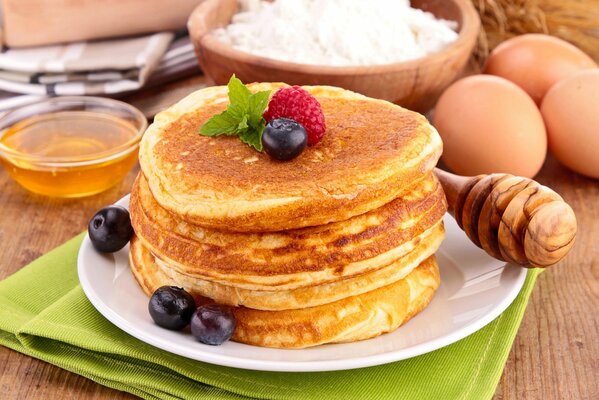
284	139
171	307
213	324
110	229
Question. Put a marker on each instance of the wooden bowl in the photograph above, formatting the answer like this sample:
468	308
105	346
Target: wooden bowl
414	84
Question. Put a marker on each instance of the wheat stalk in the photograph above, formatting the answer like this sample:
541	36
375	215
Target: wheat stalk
576	21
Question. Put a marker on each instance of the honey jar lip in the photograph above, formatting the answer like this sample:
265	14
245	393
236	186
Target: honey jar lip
91	104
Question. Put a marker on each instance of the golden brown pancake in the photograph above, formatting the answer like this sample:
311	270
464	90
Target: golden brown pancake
371	151
288	299
334	246
296	258
350	319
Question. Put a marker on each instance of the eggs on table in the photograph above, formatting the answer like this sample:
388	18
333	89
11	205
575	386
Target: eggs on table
535	62
489	124
571	113
493	123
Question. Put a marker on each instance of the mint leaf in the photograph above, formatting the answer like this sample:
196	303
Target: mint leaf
239	94
236	111
253	137
220	124
243	124
243	116
257	104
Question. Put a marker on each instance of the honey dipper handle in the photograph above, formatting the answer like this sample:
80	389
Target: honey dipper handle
514	219
456	187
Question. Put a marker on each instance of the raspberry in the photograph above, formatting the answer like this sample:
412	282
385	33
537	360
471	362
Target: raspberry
297	104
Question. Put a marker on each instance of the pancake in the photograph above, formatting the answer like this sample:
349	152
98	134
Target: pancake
350	319
281	300
371	151
298	258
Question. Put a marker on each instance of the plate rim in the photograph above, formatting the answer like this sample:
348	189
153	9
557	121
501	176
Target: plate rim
292	366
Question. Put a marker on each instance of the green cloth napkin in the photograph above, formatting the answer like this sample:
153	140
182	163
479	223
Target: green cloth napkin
45	314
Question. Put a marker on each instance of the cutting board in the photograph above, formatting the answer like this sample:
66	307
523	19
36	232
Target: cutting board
41	22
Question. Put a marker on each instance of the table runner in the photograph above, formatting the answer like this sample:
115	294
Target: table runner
45	314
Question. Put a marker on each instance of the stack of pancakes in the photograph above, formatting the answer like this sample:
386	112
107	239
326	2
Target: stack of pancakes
336	245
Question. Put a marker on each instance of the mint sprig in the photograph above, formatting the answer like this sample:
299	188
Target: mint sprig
243	116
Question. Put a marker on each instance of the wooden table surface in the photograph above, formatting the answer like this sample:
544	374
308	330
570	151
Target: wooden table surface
555	355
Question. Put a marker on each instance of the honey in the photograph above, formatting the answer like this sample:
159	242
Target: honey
70	153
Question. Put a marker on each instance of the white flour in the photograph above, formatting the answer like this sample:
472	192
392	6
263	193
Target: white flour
337	32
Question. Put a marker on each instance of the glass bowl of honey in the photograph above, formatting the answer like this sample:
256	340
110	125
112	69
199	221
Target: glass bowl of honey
71	146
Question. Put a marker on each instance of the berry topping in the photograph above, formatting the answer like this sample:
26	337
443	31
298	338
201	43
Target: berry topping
213	324
284	139
110	229
171	307
297	104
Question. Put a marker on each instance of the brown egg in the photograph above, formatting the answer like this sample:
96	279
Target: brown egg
488	124
535	62
571	113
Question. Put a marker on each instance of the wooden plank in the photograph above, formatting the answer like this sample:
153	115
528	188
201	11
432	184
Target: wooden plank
50	223
556	352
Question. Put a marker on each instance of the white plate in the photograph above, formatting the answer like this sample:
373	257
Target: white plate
475	289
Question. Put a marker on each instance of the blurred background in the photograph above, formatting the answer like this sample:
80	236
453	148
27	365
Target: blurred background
38	34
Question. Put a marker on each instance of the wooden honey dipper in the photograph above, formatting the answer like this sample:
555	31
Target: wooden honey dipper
513	219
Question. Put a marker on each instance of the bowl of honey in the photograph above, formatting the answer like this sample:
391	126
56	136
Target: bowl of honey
71	146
